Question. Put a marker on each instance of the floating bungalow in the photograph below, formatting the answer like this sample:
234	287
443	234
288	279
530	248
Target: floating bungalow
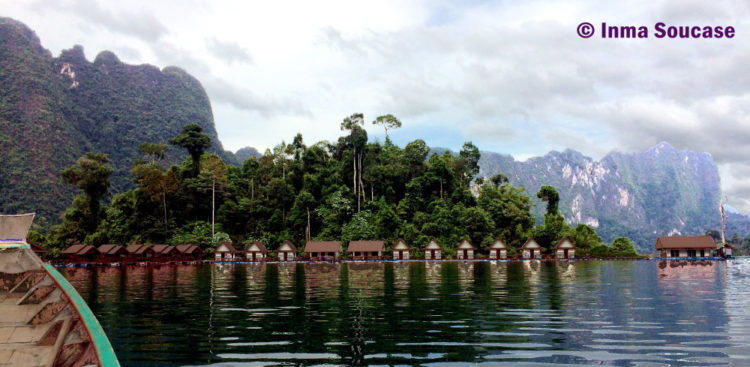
498	249
189	252
112	253
433	250
323	250
531	249
366	250
255	251
165	253
400	250
565	249
465	250
140	253
287	251
225	252
725	250
685	246
81	254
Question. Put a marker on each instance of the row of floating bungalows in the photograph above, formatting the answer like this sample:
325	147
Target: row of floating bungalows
110	253
374	250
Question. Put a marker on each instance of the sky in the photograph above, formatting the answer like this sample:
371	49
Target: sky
512	77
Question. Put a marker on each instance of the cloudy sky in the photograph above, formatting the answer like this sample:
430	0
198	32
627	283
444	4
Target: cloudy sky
513	77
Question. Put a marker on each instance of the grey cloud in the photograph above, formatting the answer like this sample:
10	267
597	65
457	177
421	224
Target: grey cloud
170	54
228	52
127	53
243	99
738	195
693	93
692	10
221	91
142	25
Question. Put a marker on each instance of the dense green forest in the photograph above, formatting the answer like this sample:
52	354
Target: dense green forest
349	189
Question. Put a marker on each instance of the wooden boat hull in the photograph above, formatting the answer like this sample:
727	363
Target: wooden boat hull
43	319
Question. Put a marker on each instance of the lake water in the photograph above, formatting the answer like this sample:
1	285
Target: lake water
621	313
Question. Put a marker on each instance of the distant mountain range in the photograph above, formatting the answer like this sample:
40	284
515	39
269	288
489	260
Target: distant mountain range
55	109
658	192
244	153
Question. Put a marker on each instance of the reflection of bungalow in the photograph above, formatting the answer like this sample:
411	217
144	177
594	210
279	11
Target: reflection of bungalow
531	249
287	251
362	250
165	253
323	250
138	253
225	251
433	250
498	250
400	250
565	249
112	253
465	250
81	254
189	252
255	251
685	246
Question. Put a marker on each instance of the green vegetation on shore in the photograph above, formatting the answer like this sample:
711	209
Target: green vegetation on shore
349	189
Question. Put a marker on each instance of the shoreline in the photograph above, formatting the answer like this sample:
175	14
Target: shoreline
84	265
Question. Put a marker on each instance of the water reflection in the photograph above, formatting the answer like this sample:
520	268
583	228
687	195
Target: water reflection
581	312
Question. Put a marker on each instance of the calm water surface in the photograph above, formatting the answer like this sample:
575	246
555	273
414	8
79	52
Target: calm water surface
618	313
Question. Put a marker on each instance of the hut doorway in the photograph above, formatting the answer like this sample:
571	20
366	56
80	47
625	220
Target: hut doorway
466	254
497	254
432	254
253	256
565	253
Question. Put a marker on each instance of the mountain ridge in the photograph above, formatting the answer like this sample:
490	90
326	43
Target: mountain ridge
55	109
641	195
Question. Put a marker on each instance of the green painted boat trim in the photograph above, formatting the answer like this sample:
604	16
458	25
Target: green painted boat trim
8	245
103	348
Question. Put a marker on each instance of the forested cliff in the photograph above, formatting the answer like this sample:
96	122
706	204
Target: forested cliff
54	109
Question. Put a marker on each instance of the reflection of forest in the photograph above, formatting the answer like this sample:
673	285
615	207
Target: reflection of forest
352	311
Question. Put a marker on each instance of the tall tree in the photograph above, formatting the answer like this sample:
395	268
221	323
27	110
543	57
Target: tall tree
358	137
468	161
213	167
157	184
153	151
195	141
549	194
387	122
92	176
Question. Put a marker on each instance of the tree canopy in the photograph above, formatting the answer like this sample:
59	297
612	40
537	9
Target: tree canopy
350	189
194	141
